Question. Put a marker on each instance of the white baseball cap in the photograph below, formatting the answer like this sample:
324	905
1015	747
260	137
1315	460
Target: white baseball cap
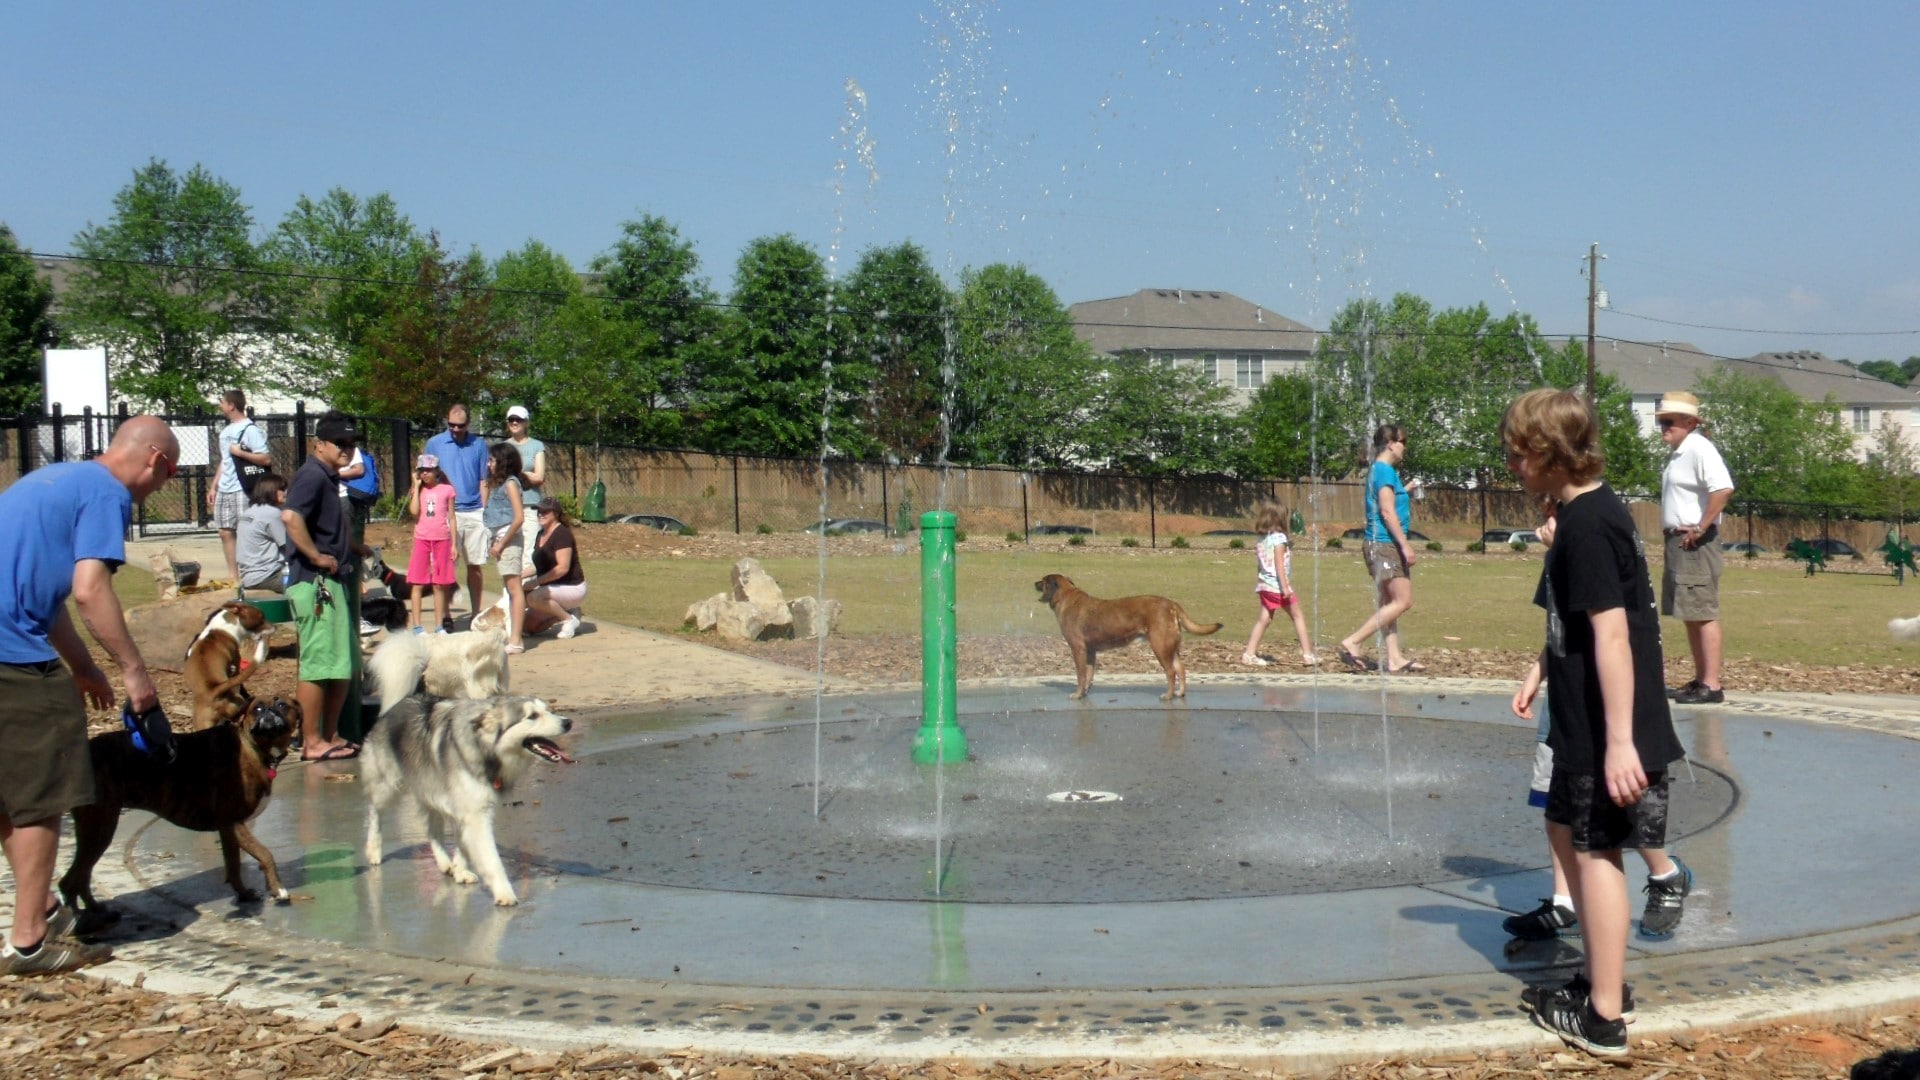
517	412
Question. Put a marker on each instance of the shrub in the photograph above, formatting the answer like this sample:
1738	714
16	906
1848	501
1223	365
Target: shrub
959	536
1178	542
763	529
1014	537
1076	540
1433	545
1476	547
1752	554
688	530
1333	543
1236	543
1129	542
1517	544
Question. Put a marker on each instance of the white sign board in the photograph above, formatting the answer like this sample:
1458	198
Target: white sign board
76	380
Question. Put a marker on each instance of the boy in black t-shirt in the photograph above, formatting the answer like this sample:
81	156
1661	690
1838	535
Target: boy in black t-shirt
1608	724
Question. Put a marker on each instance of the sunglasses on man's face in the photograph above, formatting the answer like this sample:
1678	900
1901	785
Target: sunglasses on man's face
1664	424
173	469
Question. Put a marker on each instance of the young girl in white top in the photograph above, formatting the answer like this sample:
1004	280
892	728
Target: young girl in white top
1274	587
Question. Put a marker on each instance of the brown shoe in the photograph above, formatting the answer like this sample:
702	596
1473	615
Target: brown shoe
53	956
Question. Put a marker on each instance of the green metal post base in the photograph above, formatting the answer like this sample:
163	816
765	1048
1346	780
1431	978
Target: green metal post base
939	740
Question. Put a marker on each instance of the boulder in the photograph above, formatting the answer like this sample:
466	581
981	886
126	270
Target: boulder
704	615
740	622
752	584
812	619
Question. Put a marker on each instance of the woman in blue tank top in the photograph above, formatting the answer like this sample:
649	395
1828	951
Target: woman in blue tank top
1389	555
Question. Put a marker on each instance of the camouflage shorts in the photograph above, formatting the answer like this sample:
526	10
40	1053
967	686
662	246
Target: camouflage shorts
1581	803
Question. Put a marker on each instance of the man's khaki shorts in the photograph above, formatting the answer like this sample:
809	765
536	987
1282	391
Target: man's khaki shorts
46	770
1690	581
470	535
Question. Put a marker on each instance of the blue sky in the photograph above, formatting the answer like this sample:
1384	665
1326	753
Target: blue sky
1743	165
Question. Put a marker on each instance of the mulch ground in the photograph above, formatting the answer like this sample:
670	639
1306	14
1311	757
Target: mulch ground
66	1026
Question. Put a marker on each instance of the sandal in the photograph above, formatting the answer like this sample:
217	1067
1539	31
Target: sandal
1251	660
516	650
1310	661
341	752
1411	665
1358	663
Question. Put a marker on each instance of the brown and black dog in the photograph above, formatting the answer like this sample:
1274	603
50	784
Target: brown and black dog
1091	624
219	779
226	653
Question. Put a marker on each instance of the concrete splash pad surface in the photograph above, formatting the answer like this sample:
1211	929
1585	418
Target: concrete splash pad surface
1089	925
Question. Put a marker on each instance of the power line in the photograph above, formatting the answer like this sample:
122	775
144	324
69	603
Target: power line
1745	330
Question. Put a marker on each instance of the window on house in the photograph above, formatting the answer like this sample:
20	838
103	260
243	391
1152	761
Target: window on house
1210	366
1249	371
1163	358
1862	420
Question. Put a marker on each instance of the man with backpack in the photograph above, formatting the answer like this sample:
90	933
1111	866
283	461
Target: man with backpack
243	456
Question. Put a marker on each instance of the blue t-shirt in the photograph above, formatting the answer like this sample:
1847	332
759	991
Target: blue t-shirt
530	450
1385	475
250	438
56	516
465	465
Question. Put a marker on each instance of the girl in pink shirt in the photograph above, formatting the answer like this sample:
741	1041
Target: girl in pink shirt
431	504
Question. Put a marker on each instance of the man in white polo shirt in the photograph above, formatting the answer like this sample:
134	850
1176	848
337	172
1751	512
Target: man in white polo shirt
1694	489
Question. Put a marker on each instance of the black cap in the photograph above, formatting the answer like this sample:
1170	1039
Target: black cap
336	427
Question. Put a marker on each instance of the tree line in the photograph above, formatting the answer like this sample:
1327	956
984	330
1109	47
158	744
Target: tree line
346	300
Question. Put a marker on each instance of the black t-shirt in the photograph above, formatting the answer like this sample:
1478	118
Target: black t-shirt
315	496
544	556
1597	563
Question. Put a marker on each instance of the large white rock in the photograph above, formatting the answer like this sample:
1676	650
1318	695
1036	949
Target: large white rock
704	615
812	619
753	584
740	622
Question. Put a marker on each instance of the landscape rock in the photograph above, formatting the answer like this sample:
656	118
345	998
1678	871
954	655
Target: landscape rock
752	584
812	619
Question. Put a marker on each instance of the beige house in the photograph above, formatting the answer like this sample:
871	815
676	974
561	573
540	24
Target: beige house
1868	405
1228	339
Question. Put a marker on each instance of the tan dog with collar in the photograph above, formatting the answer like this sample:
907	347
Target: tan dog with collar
1091	624
223	656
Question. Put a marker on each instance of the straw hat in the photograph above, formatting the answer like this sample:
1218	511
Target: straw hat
1678	403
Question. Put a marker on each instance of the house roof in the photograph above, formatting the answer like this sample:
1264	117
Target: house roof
1649	369
1188	320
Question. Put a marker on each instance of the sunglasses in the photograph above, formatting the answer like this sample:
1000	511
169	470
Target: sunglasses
173	469
1663	423
456	427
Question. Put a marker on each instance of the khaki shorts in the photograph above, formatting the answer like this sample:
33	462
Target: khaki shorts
326	630
46	770
1384	562
530	535
470	535
1690	582
513	562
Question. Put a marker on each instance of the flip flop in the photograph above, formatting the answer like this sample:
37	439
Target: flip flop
339	753
1411	665
1355	662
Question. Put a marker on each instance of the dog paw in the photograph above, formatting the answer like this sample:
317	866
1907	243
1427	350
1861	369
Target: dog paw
506	900
464	877
281	896
245	896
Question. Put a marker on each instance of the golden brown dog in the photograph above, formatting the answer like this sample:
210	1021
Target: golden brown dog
1091	624
219	779
225	654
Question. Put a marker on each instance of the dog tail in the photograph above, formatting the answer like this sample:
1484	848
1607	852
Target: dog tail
1905	628
395	668
1191	627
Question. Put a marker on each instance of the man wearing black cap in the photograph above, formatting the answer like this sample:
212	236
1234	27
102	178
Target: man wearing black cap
320	574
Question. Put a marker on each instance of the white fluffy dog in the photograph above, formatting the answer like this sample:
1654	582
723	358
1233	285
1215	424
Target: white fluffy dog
470	664
456	758
1905	628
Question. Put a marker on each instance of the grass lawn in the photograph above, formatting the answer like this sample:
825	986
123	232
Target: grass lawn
1770	614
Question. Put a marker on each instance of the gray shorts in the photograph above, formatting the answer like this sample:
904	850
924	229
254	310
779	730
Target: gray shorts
226	508
46	770
1384	561
1690	582
1581	803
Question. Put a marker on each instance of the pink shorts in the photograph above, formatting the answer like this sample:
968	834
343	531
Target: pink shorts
432	562
1272	600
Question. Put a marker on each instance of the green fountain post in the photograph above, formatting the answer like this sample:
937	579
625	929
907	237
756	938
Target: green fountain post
940	739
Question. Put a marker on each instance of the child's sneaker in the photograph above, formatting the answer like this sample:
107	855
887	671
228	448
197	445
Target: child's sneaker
52	957
1666	902
570	627
1544	923
1573	1019
1533	998
420	630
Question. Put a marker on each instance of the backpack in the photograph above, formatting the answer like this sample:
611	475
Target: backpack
365	489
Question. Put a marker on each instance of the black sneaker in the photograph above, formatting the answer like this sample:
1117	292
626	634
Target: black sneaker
1699	694
1685	687
1544	923
1666	902
1533	998
1573	1019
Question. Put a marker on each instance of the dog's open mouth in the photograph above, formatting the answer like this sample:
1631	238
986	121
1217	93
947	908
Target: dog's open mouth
545	748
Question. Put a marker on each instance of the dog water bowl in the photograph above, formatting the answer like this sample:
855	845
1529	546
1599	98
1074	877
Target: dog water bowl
276	609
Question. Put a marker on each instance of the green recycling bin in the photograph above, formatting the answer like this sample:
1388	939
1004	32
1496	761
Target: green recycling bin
595	508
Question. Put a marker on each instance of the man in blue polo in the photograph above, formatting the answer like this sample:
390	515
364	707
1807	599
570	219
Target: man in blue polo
66	534
463	457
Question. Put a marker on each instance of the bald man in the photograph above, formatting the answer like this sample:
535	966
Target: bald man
65	536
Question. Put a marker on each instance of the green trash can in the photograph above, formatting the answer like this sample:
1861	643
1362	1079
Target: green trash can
595	508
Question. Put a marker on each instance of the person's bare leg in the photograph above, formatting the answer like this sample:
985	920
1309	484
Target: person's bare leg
475	582
1657	860
313	704
1398	601
1300	631
1704	639
414	605
1259	629
516	607
443	601
230	542
31	851
1600	900
335	698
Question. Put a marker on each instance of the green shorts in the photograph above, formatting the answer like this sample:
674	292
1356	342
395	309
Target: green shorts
46	770
326	636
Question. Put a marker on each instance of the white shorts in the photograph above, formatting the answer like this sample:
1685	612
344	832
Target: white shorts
567	596
471	537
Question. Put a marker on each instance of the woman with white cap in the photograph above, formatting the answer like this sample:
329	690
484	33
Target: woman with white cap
1694	489
533	471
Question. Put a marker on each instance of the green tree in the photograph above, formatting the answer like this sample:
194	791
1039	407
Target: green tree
1280	432
1634	458
347	259
1158	419
434	345
171	285
531	286
1892	476
671	333
899	317
1779	447
1022	381
26	328
768	393
1886	370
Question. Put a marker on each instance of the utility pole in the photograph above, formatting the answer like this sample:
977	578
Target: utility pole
1593	305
